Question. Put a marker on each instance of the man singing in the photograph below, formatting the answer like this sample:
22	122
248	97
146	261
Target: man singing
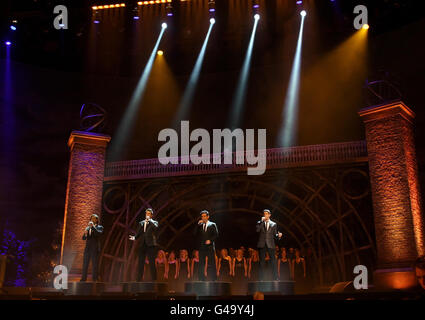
91	252
207	233
148	244
268	233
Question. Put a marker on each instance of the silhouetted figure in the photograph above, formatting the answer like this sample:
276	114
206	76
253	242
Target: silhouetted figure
268	234
254	266
224	268
284	266
148	244
91	251
183	273
195	266
207	233
172	271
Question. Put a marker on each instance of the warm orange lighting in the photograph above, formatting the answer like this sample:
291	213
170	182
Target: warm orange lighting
109	6
160	52
366	26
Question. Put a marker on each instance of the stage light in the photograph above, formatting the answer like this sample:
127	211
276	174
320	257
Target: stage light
303	13
160	52
299	2
287	133
211	5
365	26
13	28
136	13
164	25
96	21
108	6
189	92
239	98
169	9
126	124
8	43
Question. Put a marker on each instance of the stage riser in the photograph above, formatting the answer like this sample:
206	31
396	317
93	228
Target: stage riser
85	288
282	287
199	288
159	288
208	288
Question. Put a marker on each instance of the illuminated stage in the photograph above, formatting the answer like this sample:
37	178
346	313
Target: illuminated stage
336	166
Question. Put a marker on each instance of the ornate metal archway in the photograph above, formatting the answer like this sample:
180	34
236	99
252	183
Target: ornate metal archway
324	210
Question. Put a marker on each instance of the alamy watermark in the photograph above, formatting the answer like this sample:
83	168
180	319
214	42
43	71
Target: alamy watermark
60	282
362	17
360	282
61	20
222	142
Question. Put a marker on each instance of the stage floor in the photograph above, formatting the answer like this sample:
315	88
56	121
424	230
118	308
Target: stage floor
272	290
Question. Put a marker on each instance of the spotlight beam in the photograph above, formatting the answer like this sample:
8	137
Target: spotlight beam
290	112
127	122
189	92
240	95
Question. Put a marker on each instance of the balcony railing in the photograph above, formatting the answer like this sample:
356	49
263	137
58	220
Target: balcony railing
303	156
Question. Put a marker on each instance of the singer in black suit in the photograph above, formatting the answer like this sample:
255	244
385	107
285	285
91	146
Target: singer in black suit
148	244
268	234
91	251
206	232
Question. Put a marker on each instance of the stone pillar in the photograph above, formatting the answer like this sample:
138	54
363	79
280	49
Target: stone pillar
83	193
399	223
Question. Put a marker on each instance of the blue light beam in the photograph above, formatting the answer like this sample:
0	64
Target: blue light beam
240	95
290	113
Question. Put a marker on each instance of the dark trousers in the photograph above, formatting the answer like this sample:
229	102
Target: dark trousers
203	253
262	253
144	251
90	253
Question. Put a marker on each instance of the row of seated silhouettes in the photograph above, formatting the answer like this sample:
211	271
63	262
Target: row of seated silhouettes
236	266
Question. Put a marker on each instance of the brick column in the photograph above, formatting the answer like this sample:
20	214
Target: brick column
399	223
83	193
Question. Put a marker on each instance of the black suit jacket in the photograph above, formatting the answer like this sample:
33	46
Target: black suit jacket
267	237
211	234
93	239
149	237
